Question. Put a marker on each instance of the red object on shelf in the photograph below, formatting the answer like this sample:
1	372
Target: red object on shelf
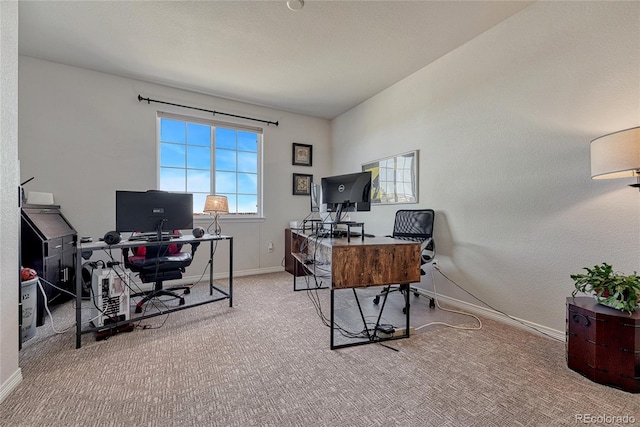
27	274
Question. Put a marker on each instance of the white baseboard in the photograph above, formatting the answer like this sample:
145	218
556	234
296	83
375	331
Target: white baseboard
459	304
496	315
11	384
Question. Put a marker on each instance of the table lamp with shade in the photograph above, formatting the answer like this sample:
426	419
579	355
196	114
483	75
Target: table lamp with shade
217	205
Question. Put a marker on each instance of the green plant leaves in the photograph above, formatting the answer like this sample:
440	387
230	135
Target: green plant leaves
610	288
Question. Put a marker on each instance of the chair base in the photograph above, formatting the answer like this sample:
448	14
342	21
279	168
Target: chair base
402	289
158	291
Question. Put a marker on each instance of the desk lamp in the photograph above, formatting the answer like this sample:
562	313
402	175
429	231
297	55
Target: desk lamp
617	155
216	205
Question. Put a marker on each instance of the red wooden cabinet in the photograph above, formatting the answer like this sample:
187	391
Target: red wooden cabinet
603	344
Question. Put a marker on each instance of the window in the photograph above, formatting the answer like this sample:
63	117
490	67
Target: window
206	157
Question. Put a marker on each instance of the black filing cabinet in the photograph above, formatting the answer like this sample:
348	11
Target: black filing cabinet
48	245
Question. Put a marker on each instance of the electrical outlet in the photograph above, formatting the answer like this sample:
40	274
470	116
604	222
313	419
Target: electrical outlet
270	247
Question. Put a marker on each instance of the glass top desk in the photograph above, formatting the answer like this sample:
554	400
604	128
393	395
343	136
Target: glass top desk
90	247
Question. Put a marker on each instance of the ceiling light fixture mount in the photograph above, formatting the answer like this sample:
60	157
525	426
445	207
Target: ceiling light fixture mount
295	5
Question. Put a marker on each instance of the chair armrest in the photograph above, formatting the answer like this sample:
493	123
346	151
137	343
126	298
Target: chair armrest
425	244
428	245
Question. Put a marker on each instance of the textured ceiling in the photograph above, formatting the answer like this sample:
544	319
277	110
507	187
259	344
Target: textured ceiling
319	61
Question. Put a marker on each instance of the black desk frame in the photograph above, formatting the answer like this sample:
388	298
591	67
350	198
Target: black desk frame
94	246
377	245
372	337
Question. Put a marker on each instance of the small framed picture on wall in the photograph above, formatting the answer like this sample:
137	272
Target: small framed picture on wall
302	154
302	184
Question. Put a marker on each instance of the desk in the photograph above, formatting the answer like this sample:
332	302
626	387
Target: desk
95	246
374	261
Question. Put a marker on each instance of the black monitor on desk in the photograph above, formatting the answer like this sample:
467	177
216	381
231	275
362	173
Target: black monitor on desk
153	211
315	197
347	193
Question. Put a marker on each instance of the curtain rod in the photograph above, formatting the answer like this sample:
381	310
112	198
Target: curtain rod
140	99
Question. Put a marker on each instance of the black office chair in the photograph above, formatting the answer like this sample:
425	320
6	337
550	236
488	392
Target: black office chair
415	225
157	264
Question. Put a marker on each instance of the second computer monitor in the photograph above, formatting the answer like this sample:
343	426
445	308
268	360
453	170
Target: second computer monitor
315	197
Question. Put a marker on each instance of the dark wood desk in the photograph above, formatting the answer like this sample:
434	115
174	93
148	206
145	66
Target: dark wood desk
190	240
603	344
375	261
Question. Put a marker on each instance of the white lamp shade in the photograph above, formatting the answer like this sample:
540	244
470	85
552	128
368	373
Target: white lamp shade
616	155
216	204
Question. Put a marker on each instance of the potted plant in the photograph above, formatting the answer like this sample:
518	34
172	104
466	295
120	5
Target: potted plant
609	288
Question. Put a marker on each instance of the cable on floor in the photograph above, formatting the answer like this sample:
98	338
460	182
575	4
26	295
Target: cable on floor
483	302
435	297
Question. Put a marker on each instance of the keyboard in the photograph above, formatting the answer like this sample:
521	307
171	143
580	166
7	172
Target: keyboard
153	237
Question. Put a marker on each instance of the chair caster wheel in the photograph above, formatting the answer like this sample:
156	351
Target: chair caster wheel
187	291
181	301
416	294
432	303
376	300
138	309
404	310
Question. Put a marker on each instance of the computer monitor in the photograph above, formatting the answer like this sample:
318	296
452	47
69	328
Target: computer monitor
314	195
347	193
148	211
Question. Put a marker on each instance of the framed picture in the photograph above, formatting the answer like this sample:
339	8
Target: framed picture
394	179
302	184
302	154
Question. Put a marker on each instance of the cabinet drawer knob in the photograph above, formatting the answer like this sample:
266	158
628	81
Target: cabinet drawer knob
576	318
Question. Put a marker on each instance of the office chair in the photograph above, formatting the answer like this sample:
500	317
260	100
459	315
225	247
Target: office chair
415	225
157	264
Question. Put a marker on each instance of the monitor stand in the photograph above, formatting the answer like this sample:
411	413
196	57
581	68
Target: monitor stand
159	236
349	224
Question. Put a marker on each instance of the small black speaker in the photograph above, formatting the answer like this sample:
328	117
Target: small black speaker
198	232
112	237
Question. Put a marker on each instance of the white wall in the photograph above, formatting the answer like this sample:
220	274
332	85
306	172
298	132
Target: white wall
84	135
10	374
503	125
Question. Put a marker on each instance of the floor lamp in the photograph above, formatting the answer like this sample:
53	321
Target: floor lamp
617	155
216	205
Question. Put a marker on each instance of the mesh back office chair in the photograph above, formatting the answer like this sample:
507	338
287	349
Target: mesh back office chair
415	225
155	264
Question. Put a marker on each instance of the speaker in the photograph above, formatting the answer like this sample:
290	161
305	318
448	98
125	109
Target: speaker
198	232
112	237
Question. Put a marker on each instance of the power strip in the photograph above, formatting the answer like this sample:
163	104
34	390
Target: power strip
395	333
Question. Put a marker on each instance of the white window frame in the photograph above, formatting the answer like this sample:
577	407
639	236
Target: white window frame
199	218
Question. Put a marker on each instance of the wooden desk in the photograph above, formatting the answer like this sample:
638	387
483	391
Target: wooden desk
376	261
190	240
291	265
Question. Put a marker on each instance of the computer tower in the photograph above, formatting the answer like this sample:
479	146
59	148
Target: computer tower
110	295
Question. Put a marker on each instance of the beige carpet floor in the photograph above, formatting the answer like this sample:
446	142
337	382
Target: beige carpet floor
266	362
